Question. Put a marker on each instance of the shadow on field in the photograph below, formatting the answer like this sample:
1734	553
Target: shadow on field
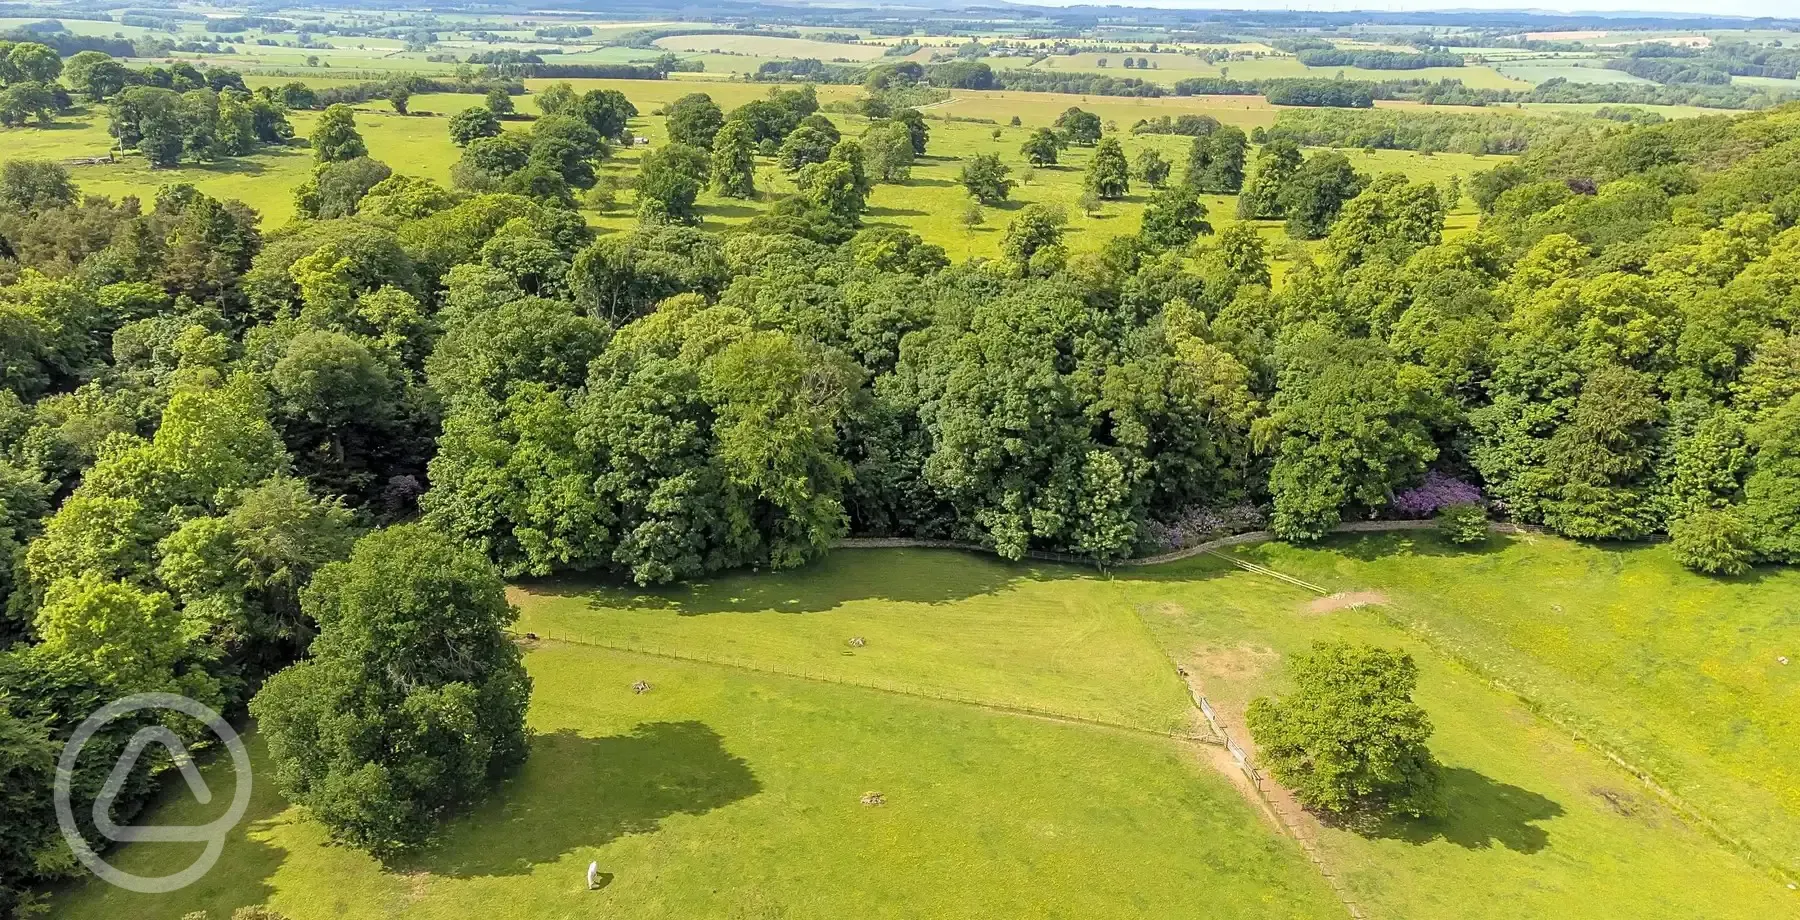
576	792
896	212
1479	813
1373	546
916	576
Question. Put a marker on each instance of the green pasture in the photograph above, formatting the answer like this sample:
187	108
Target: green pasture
733	793
931	203
1012	717
1171	67
1695	679
772	46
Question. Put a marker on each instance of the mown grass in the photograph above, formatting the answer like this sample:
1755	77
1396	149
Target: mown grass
1680	674
721	793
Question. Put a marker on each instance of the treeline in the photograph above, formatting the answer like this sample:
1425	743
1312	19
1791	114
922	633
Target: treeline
1378	60
1669	71
1400	129
537	69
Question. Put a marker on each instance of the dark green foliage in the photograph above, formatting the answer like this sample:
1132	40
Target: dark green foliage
1311	199
669	179
985	178
1174	218
1349	740
472	123
1041	148
412	702
694	120
1109	176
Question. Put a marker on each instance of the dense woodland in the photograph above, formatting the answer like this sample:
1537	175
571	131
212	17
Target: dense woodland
218	440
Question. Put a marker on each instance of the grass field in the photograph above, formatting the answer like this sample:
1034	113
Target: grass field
1171	67
730	788
930	203
1678	674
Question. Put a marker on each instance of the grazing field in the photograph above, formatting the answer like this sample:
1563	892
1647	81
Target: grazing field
724	792
1696	679
1537	70
771	46
931	203
731	787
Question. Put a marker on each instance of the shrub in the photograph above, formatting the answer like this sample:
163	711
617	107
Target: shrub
1713	541
1463	523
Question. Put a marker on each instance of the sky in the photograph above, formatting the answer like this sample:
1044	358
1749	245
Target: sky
1786	8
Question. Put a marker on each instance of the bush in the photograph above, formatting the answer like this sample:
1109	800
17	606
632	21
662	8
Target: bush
1713	541
1463	523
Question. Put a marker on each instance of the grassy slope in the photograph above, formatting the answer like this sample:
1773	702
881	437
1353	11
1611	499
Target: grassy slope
739	781
726	794
1539	826
1679	674
971	628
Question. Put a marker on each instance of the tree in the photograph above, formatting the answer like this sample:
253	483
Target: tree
556	99
1312	198
1349	740
1276	164
916	129
1174	218
95	75
413	699
499	101
1152	168
985	178
888	152
734	161
1079	127
24	101
336	188
33	62
1034	239
834	188
669	179
1041	148
1216	161
695	120
1109	176
398	98
804	147
972	216
473	123
496	157
1712	540
28	186
335	138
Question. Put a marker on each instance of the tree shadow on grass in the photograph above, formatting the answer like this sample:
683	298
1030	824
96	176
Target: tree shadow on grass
1479	813
920	576
1369	547
895	212
576	792
927	181
730	210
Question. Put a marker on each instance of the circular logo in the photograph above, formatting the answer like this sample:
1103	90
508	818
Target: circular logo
213	832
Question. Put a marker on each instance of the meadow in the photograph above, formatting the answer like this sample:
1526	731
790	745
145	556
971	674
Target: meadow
1030	735
931	203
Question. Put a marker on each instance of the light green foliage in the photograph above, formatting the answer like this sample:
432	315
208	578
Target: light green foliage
1152	169
1349	739
694	120
888	152
335	138
1463	523
131	638
669	179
